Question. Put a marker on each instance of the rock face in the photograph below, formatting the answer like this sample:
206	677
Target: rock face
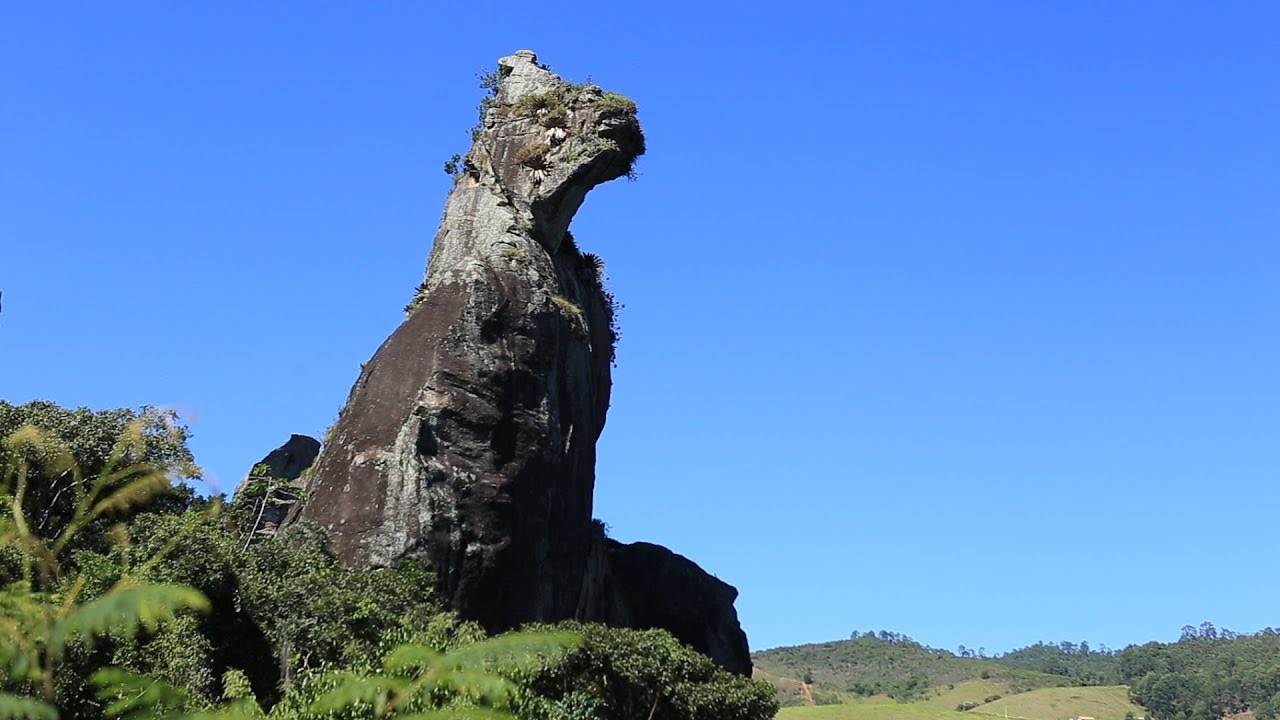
271	488
468	442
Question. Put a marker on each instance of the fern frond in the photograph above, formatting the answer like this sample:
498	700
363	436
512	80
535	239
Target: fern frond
354	690
54	454
512	650
173	542
134	493
23	617
18	707
459	714
411	657
148	484
124	610
130	696
477	685
130	444
239	710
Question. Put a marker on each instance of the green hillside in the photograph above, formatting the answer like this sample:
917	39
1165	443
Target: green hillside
1103	703
891	667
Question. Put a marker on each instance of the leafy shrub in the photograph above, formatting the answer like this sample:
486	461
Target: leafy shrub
639	674
611	104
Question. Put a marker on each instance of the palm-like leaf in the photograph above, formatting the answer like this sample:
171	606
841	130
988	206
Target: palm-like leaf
135	697
130	696
123	610
511	651
459	714
353	690
17	707
414	675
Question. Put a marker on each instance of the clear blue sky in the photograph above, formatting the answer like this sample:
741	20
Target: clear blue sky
955	319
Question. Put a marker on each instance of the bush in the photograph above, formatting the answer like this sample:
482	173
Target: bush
639	674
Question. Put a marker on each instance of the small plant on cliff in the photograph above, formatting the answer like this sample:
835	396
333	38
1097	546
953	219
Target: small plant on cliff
490	82
453	165
592	270
615	104
534	155
536	105
577	319
419	295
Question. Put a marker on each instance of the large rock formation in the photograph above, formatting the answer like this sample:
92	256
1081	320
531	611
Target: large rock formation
468	441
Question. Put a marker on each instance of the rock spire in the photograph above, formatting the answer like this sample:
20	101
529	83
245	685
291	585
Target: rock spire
468	442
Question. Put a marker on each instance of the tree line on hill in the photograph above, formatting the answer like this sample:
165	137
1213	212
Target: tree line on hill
1206	674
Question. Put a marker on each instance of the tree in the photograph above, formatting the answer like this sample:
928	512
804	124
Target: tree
77	448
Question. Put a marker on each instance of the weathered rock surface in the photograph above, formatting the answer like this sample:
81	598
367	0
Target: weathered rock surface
272	486
468	442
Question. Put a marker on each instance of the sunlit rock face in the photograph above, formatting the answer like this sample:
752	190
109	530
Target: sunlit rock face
468	442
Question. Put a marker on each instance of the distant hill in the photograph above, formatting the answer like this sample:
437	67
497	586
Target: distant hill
888	667
1208	674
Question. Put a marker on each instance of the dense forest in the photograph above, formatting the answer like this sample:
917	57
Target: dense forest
127	595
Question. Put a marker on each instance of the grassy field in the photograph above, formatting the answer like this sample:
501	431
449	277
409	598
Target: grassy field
866	711
972	691
1103	703
790	691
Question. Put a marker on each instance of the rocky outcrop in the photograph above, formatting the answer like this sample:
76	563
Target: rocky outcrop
267	493
468	442
642	585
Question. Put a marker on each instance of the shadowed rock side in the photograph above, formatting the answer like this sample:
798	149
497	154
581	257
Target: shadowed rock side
643	585
468	442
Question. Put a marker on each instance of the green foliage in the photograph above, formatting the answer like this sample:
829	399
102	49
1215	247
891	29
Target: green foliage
490	82
416	680
639	674
1078	662
20	707
419	294
611	104
894	665
47	614
1206	674
171	613
537	104
74	458
591	270
572	313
